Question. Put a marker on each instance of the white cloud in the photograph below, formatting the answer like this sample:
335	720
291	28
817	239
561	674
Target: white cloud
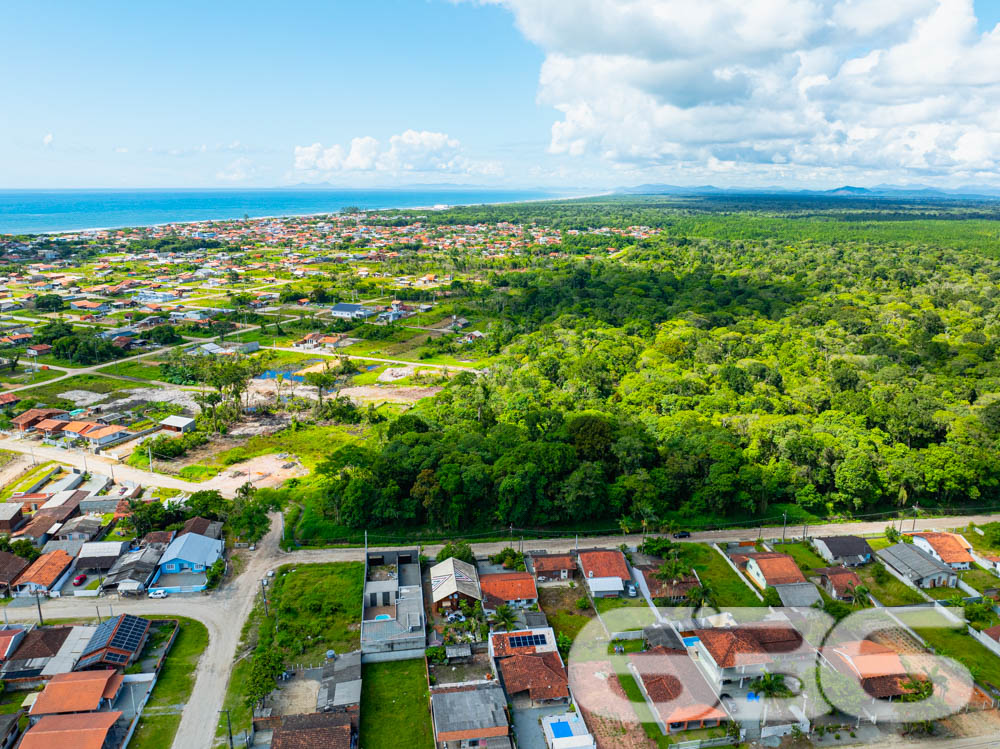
412	152
788	87
47	140
238	170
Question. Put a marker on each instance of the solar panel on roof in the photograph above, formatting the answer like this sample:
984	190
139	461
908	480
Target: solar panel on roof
524	641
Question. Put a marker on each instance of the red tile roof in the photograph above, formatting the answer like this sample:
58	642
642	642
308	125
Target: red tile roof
313	737
749	644
604	564
552	563
503	649
780	570
80	731
543	676
45	570
950	547
841	579
509	586
676	687
673	588
77	692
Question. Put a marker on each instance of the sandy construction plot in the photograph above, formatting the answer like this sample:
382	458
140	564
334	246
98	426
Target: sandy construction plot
376	394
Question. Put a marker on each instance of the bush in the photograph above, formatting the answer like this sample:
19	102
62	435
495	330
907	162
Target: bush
436	655
583	603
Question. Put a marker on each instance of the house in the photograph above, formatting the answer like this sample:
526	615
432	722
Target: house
87	305
9	729
676	691
767	569
11	567
345	311
848	551
392	617
553	567
202	526
84	692
949	548
538	679
99	556
914	564
673	590
308	730
340	687
27	420
515	589
181	424
10	640
81	528
606	572
133	571
39	349
78	731
47	573
11	516
188	556
34	654
737	655
839	582
116	643
470	715
9	399
522	642
454	581
877	668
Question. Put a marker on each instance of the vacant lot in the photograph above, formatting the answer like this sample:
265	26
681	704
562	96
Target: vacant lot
560	606
713	570
395	706
890	592
804	557
318	607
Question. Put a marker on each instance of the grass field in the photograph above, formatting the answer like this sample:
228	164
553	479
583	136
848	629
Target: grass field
559	605
879	542
318	607
395	706
890	593
982	664
641	708
712	568
980	579
49	394
804	557
173	687
25	376
137	368
27	480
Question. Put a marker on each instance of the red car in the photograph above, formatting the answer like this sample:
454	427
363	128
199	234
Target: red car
79	580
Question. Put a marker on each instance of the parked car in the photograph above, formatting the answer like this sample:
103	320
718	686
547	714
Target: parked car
79	580
158	594
682	534
456	617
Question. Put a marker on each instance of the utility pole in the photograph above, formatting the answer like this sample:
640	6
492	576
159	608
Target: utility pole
916	509
784	522
263	594
229	728
149	452
98	614
38	603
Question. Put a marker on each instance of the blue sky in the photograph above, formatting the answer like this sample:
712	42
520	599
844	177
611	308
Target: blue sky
589	93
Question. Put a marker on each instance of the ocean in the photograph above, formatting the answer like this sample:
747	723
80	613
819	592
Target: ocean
37	211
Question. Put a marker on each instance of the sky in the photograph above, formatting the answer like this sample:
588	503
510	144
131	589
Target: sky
511	93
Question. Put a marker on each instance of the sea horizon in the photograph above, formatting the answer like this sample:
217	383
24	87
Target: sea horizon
55	210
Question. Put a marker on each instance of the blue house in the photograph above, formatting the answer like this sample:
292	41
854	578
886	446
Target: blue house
185	561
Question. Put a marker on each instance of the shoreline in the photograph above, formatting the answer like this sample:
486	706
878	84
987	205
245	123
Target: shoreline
188	222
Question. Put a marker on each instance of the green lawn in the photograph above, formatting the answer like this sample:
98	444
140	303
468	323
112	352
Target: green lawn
712	568
956	644
27	480
26	376
880	542
943	594
235	701
890	593
804	557
49	393
980	579
603	605
318	607
395	706
173	687
12	702
138	368
641	708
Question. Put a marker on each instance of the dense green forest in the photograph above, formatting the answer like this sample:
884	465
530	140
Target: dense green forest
735	363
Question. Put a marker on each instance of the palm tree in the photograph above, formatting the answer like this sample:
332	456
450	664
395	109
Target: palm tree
859	595
770	685
505	617
700	595
624	524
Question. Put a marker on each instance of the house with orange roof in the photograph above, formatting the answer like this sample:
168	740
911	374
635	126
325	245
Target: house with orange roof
950	548
47	573
534	680
553	567
76	731
78	692
606	572
676	691
769	568
878	668
734	655
515	589
839	582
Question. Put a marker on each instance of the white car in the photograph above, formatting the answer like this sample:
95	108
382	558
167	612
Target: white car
158	594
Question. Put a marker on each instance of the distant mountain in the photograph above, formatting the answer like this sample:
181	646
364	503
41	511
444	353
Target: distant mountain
878	191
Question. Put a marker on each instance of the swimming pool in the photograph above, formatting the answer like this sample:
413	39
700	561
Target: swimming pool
689	641
561	729
382	617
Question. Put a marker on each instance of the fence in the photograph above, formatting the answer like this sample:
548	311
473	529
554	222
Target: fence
736	569
703	743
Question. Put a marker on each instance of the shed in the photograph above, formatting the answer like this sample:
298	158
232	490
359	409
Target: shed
181	424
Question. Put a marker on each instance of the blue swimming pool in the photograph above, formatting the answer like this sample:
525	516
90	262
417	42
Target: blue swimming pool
382	617
561	729
689	641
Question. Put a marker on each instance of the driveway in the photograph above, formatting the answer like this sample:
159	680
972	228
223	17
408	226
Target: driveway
528	728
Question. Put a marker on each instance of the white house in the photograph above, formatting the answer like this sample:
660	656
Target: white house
948	548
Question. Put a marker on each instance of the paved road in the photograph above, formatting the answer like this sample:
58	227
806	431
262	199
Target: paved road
224	611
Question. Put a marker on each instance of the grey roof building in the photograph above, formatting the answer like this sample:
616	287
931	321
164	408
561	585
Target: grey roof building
474	711
133	570
100	555
798	594
392	619
340	684
850	551
917	566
